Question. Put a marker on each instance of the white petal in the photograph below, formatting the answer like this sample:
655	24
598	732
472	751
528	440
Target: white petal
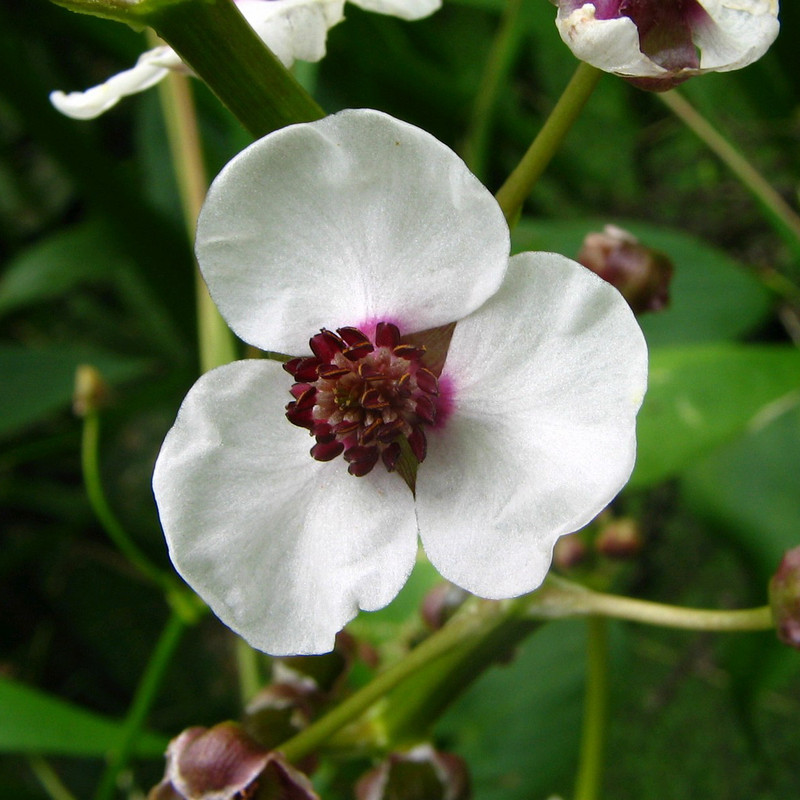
293	29
283	548
611	45
741	32
405	9
547	379
353	219
151	67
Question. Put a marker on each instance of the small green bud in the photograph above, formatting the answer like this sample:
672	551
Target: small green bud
784	597
91	391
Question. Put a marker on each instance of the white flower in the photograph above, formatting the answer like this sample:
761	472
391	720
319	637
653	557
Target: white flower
659	43
341	225
292	29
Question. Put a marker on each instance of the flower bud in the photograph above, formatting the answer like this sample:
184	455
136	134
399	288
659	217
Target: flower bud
784	597
222	763
657	44
419	774
440	603
281	710
569	552
620	539
91	391
642	275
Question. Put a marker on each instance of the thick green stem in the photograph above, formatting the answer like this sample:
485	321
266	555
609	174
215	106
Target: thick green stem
498	63
474	621
513	193
780	215
212	37
143	700
560	598
595	712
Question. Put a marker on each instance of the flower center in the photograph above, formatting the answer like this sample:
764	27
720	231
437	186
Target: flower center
363	397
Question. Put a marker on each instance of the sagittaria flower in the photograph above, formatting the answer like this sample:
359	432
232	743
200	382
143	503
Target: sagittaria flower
659	43
292	29
352	243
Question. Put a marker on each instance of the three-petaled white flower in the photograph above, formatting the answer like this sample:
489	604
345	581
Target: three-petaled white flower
292	29
356	231
659	43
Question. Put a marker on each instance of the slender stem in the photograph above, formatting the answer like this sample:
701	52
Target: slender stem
498	63
782	217
145	696
595	712
216	343
49	780
513	193
559	598
249	672
102	510
474	619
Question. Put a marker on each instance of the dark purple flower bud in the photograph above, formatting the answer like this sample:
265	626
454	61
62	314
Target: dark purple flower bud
440	603
784	597
419	774
224	763
569	552
642	275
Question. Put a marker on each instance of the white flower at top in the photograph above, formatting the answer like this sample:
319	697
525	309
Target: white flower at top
659	43
292	29
334	242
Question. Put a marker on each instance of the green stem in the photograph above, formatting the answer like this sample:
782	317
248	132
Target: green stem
213	38
249	674
49	780
474	620
498	63
780	215
595	712
145	696
513	193
216	343
102	510
560	598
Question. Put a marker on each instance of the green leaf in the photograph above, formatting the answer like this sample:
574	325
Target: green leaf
57	264
701	397
38	382
32	721
713	297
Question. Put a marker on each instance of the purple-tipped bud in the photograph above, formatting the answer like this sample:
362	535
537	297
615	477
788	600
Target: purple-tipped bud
419	774
569	552
223	763
620	539
642	275
440	603
784	597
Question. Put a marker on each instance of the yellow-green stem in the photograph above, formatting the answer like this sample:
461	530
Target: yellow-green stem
595	712
49	780
248	668
782	217
216	343
560	598
513	193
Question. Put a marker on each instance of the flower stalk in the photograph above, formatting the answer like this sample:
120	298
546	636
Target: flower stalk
513	193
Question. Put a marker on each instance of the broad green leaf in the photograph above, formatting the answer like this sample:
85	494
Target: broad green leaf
32	721
37	382
701	397
713	297
55	265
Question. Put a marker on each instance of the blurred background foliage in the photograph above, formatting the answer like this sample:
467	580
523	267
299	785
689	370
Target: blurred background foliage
96	269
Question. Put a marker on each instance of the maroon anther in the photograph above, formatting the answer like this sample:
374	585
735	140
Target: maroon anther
359	396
